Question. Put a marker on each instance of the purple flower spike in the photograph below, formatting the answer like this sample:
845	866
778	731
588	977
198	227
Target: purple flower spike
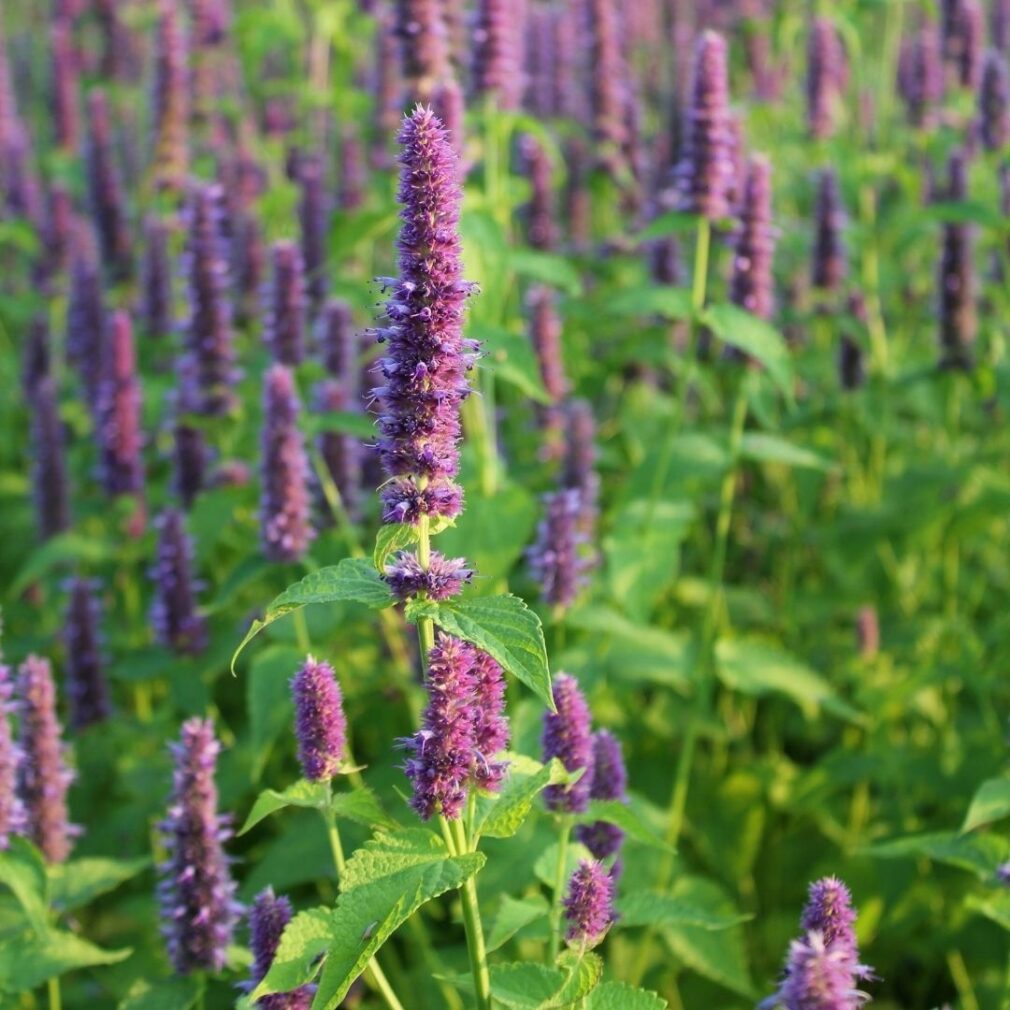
176	622
818	977
556	559
969	34
190	455
425	369
497	66
579	465
86	327
541	228
1000	24
285	505
994	102
320	724
545	332
353	177
567	737
36	359
609	84
196	892
86	684
825	76
313	216
829	260
13	820
610	782
441	580
829	911
59	226
921	76
120	438
66	119
420	24
105	190
491	725
284	328
704	175
752	286
170	100
156	311
956	279
49	471
208	328
443	752
338	342
589	905
340	451
43	775
267	919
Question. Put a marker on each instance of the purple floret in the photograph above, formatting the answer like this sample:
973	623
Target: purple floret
589	905
567	736
320	723
441	580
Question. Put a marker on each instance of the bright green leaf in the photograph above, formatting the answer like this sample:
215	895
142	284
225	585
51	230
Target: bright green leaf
766	448
621	996
304	938
616	812
28	960
513	915
511	357
756	338
501	816
391	538
978	853
546	268
77	882
652	908
302	793
23	870
652	300
161	994
990	803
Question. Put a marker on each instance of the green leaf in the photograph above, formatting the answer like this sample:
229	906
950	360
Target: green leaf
384	883
79	881
390	539
755	337
771	449
651	908
354	580
347	422
995	907
521	986
268	696
616	812
546	268
965	212
503	815
304	938
513	915
161	994
70	549
28	960
652	300
990	803
511	357
621	996
504	627
755	668
315	795
23	870
673	222
583	974
977	853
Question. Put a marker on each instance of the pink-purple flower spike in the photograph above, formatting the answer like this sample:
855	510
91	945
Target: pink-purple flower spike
320	723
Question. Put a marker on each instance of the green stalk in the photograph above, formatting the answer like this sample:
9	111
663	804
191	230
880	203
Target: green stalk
559	885
472	924
425	625
55	1000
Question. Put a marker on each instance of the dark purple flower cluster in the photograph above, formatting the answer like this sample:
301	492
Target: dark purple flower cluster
920	78
829	259
704	175
36	358
825	77
609	782
463	730
578	471
49	471
170	100
174	615
497	65
85	333
196	891
752	285
589	905
956	279
994	102
545	333
320	723
190	454
13	820
541	227
1000	24
120	438
267	918
420	25
441	580
156	310
43	775
609	85
284	316
556	559
105	193
64	84
567	736
86	684
285	503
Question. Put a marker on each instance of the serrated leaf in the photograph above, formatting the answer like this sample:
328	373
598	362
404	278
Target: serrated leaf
513	915
990	803
765	448
504	627
652	300
520	985
621	996
362	806
23	870
756	338
503	815
977	853
354	580
384	883
651	908
583	974
315	795
392	538
753	667
75	883
161	994
304	938
28	960
616	812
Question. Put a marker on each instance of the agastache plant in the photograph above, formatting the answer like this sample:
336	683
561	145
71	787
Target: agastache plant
420	25
170	100
177	623
268	916
155	310
312	216
825	72
49	470
752	283
829	260
497	65
589	905
105	196
13	819
994	102
86	684
956	278
284	315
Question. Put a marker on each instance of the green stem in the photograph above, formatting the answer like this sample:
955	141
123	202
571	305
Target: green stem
302	632
55	1000
559	886
425	625
472	925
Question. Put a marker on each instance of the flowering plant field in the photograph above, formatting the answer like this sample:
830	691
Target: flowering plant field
504	504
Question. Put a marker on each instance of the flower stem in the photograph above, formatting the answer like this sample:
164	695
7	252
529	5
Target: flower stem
55	1000
559	886
472	924
425	625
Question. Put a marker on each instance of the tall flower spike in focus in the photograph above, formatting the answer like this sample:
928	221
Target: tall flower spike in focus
170	100
425	368
609	782
119	434
956	279
825	72
704	175
556	557
752	285
567	737
589	905
491	725
994	102
12	811
444	751
829	260
85	679
284	311
177	623
105	190
208	337
285	504
49	468
43	774
196	892
320	723
267	918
